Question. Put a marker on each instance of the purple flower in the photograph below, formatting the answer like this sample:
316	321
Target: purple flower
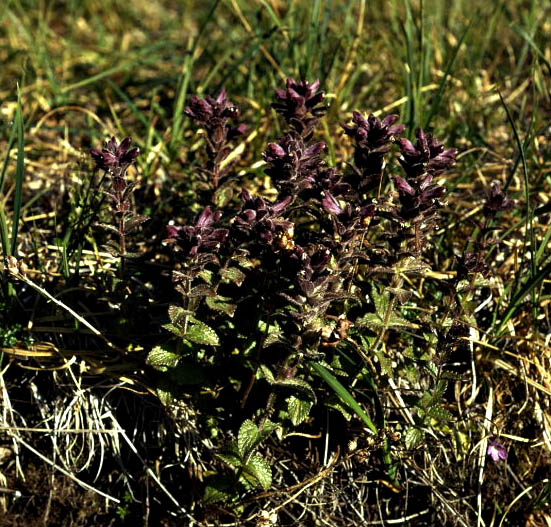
292	165
208	109
497	201
348	220
260	221
300	105
496	450
427	155
201	237
373	139
115	158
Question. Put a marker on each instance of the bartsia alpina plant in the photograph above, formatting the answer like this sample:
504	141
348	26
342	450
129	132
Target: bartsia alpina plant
215	115
313	279
114	159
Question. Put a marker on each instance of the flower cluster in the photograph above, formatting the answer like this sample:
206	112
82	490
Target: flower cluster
115	159
421	162
373	139
260	221
204	236
349	221
292	165
427	156
300	105
214	115
473	261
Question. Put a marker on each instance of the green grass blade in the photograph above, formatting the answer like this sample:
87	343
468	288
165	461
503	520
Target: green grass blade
185	79
533	45
438	97
526	289
19	172
4	237
343	393
529	212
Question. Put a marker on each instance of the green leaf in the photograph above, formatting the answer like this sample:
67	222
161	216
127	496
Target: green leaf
201	290
207	276
164	393
162	359
134	221
411	266
385	362
413	437
221	305
439	413
335	403
223	196
274	334
233	274
177	314
298	409
219	489
247	438
230	459
298	385
260	469
384	317
199	333
265	373
173	329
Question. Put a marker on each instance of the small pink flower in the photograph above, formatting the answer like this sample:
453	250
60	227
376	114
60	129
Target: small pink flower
496	451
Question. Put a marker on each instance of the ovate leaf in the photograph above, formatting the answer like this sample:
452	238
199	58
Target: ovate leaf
247	438
221	305
230	459
233	274
384	316
413	437
134	221
219	489
174	329
199	333
162	359
298	385
298	409
260	470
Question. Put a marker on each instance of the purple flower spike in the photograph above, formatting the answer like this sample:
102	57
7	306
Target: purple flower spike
496	450
202	237
300	105
427	155
373	139
115	158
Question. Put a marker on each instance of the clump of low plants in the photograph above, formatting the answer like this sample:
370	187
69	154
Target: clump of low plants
296	300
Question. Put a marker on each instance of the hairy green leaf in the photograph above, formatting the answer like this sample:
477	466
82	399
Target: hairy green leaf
298	409
247	438
162	359
413	437
199	333
221	305
260	469
233	274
